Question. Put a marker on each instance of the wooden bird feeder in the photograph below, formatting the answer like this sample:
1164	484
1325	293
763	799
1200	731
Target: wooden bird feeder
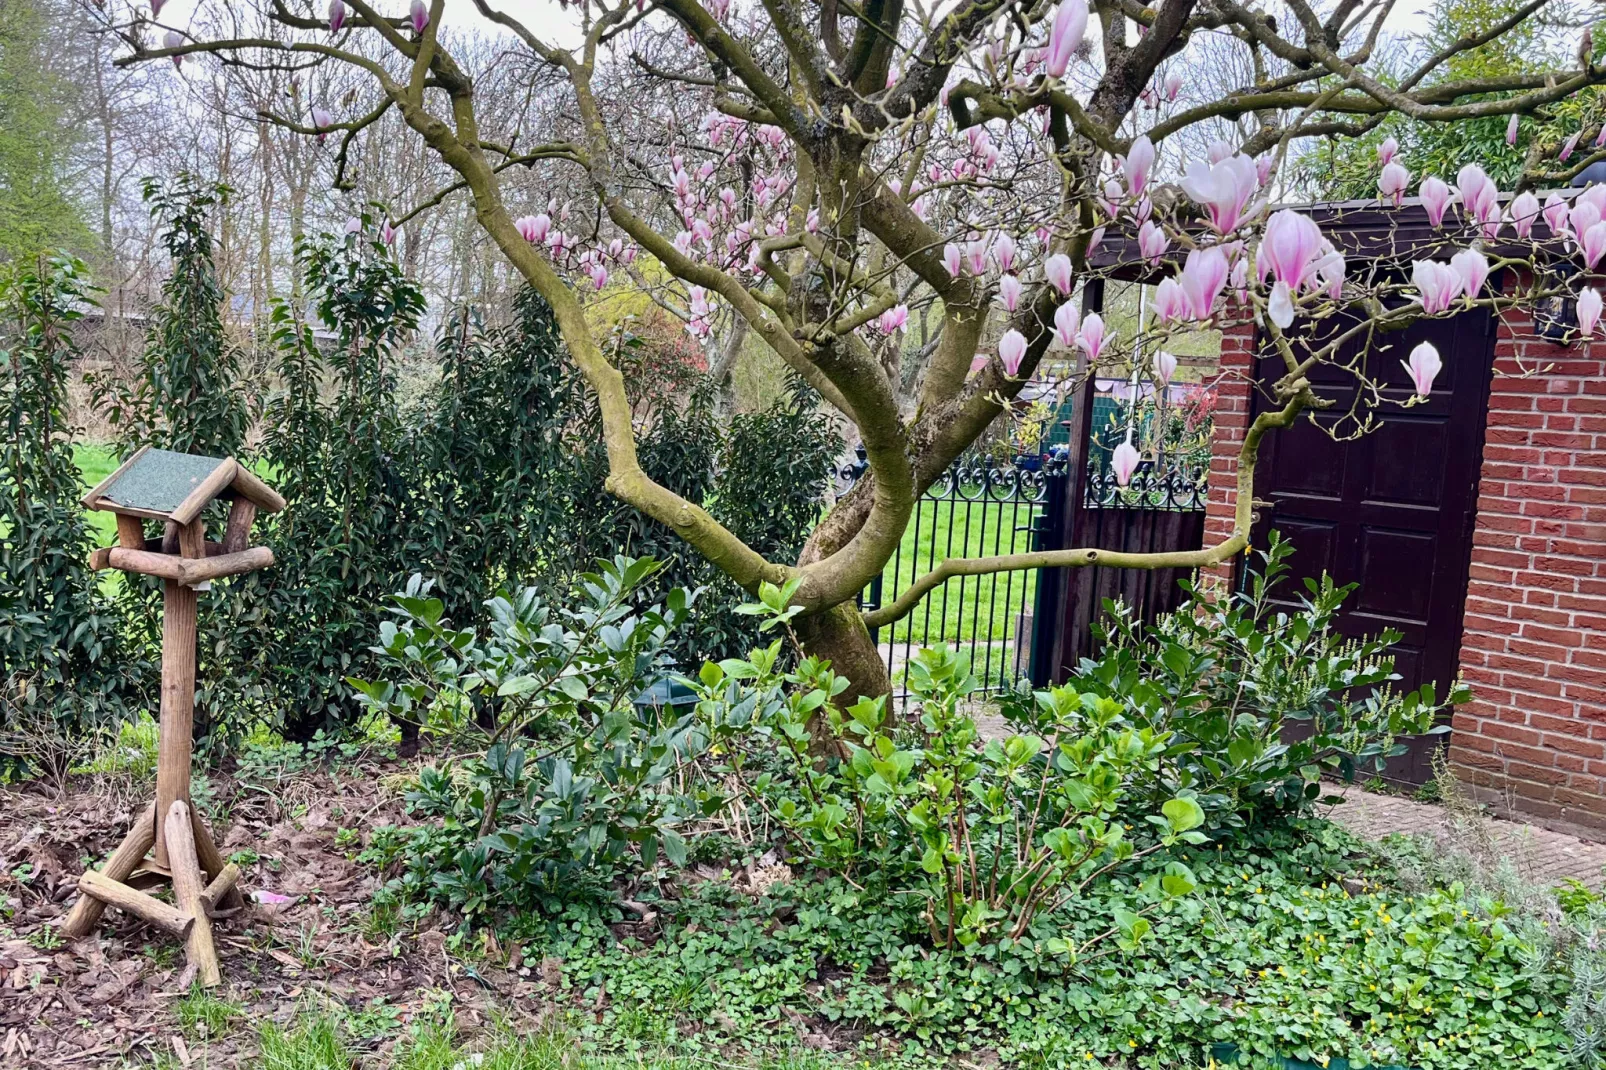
174	488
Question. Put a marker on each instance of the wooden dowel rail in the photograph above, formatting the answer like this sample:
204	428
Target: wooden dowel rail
185	570
147	907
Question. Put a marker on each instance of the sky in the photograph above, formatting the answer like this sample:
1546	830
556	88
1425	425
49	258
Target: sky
550	19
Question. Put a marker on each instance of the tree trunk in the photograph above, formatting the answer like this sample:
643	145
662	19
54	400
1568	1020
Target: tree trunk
840	635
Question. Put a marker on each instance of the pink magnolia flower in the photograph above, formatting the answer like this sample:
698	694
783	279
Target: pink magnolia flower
1435	198
1065	36
533	228
1170	302
337	15
1143	210
1094	240
1386	151
1219	150
1473	269
1583	215
976	256
1239	281
812	223
1135	167
628	255
1524	211
1067	321
1012	350
353	225
1057	270
387	233
1091	339
1424	366
1600	138
1173	86
1589	306
1204	273
1594	244
952	259
1111	199
1152	242
1477	192
1004	253
1280	306
174	39
1009	291
1263	166
1511	130
1568	146
1328	270
419	16
1436	284
1290	243
156	8
1392	182
1555	214
894	318
599	276
1222	189
1165	366
1124	461
321	119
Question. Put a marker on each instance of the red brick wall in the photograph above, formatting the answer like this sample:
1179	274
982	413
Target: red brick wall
1534	642
1234	400
1533	740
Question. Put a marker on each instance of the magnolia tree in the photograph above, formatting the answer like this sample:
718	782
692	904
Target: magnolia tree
810	171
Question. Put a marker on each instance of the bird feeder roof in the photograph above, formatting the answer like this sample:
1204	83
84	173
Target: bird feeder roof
164	485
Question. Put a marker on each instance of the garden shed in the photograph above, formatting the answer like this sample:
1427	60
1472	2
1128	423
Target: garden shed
1474	524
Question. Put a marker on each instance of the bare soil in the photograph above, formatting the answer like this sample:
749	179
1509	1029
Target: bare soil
113	997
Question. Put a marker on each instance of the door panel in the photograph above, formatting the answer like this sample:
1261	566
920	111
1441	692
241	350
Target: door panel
1391	509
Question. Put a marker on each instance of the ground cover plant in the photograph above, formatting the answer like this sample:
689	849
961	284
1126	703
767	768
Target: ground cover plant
1083	886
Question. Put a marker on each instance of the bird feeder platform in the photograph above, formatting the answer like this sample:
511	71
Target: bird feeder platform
169	842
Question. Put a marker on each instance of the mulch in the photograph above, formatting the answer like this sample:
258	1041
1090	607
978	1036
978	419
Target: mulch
110	998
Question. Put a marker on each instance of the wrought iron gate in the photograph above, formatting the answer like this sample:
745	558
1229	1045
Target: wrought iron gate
979	508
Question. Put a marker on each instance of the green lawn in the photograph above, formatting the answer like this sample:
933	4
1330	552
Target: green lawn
968	608
95	463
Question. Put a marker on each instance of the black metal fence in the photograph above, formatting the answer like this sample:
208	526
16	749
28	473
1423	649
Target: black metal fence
979	508
1029	624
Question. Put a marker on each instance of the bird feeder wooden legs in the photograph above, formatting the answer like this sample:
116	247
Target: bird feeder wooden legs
190	920
183	849
178	706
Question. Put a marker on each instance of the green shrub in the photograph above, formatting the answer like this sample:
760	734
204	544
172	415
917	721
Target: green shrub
1259	694
63	662
993	835
576	777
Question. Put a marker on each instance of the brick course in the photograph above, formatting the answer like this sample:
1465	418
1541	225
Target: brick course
1533	740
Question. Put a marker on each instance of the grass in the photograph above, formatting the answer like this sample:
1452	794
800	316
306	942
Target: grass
968	608
95	463
332	1039
203	1016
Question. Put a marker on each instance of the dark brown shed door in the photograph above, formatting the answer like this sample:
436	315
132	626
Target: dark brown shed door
1391	509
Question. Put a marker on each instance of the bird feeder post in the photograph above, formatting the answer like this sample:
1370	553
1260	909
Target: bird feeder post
174	489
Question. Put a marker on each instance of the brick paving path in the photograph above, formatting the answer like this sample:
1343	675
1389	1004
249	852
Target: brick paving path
1542	857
